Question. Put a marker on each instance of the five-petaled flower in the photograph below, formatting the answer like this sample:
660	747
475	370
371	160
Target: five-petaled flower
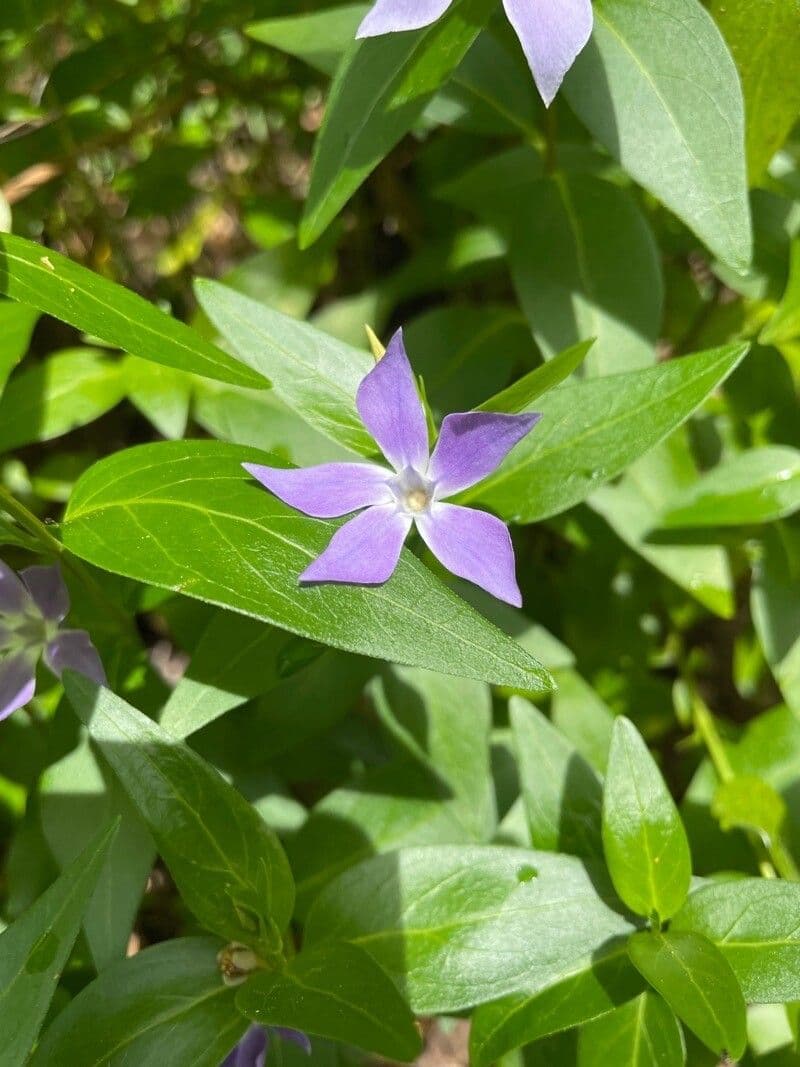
32	606
551	32
253	1048
472	544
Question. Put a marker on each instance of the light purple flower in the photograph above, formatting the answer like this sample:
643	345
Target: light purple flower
252	1049
472	544
551	32
32	606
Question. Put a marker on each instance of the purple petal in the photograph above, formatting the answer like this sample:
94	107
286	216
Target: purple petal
329	490
365	550
47	588
390	408
14	598
17	682
251	1050
297	1037
72	650
473	545
552	33
391	16
473	444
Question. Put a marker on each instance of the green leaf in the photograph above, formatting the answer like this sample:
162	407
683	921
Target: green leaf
230	869
511	918
597	985
785	323
76	796
562	794
590	432
439	790
318	37
55	285
759	485
66	390
580	715
585	264
764	38
185	516
167	1004
754	924
644	840
698	984
520	394
161	394
749	803
641	1033
657	86
34	949
313	373
381	88
335	990
775	605
16	326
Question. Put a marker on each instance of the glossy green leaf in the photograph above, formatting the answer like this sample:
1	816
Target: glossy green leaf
749	803
320	38
754	924
563	796
595	987
590	432
185	516
67	390
585	264
335	990
698	984
521	393
312	372
775	604
167	1004
438	790
54	284
644	840
759	485
642	1033
512	917
16	326
583	717
230	869
161	394
34	949
764	38
657	86
381	88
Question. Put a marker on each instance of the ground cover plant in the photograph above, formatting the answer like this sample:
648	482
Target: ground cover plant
400	533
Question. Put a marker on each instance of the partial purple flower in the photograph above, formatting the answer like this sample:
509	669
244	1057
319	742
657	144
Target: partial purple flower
472	544
253	1048
33	604
552	32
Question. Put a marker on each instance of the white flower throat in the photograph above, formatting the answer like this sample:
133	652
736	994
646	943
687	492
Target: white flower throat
413	491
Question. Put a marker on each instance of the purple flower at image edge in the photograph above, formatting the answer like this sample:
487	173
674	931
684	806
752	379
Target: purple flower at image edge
552	32
253	1048
33	605
471	544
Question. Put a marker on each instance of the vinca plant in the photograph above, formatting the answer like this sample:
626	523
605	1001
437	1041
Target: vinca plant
400	533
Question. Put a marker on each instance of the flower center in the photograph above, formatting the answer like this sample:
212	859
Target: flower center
417	500
412	490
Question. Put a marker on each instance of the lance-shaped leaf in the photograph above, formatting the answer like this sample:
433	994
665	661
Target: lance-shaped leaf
590	432
338	991
644	840
755	925
381	88
185	516
642	1033
93	304
34	949
167	1004
522	393
512	917
775	606
229	867
698	984
657	86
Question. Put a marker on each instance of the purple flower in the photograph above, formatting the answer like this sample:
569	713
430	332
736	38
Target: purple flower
31	608
551	32
472	544
252	1049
